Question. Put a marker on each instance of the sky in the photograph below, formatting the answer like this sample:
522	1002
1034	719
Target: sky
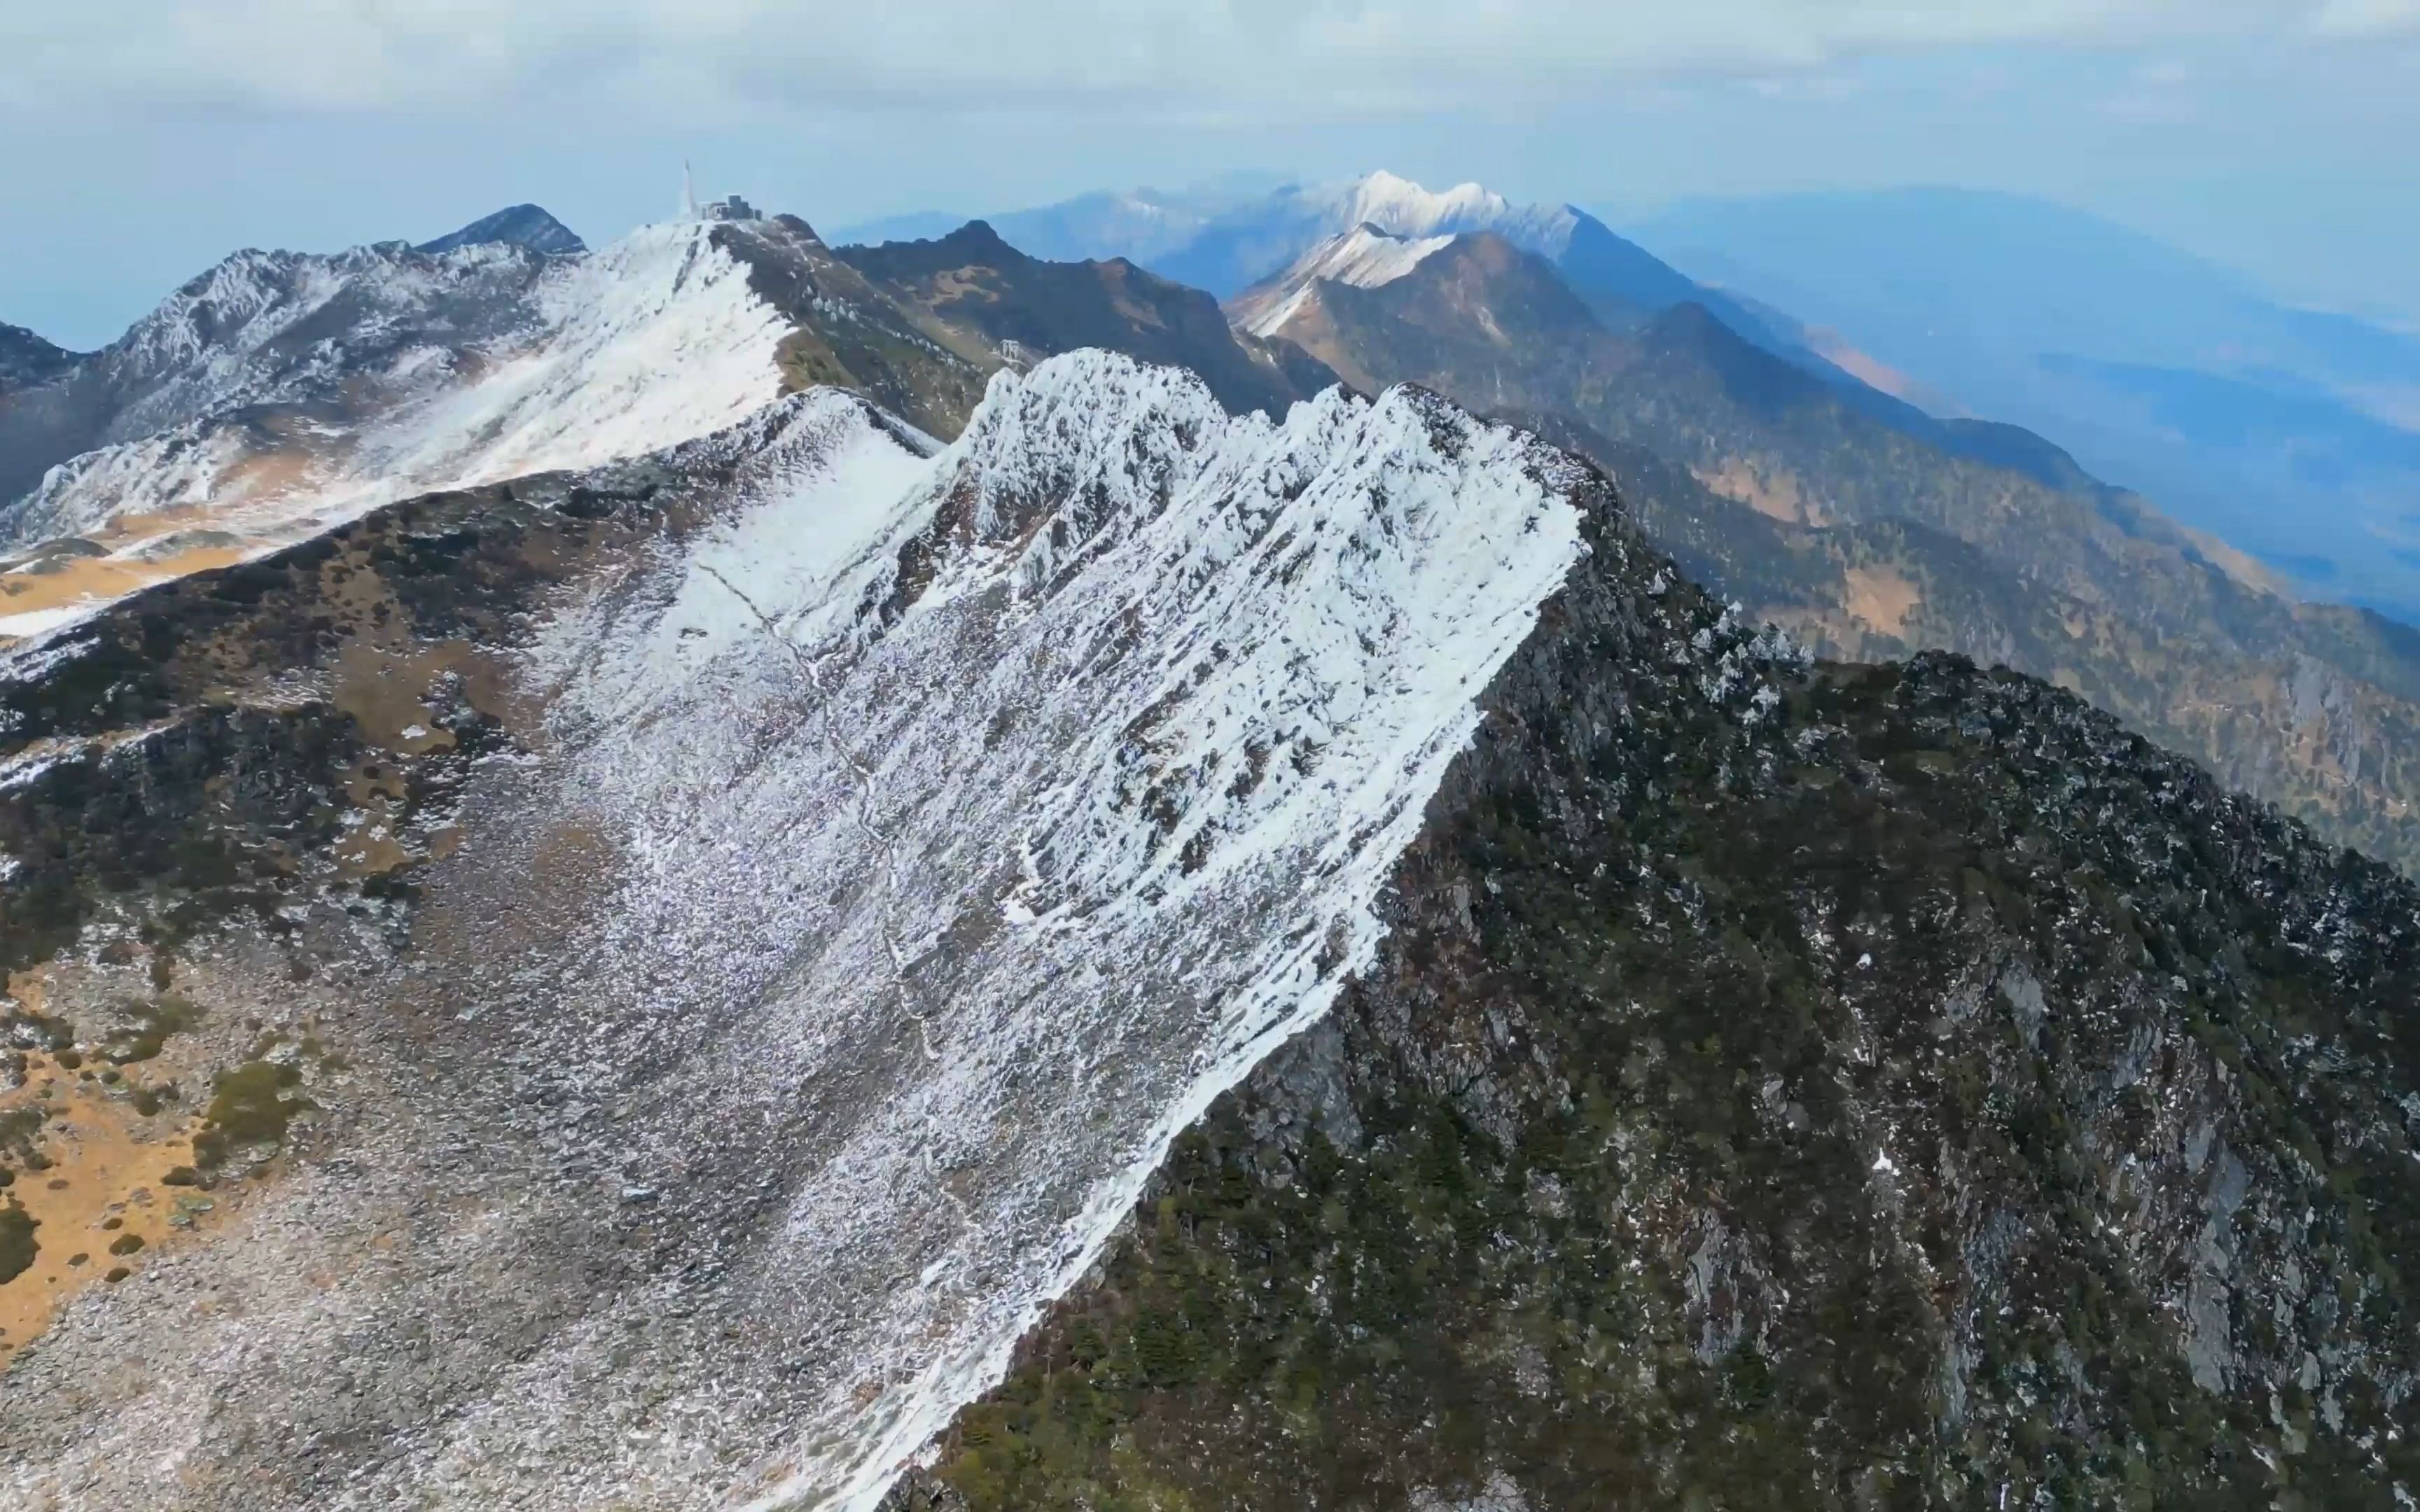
141	140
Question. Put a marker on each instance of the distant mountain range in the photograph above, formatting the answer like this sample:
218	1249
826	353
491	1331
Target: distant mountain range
1229	244
1224	242
2287	432
1755	447
2290	432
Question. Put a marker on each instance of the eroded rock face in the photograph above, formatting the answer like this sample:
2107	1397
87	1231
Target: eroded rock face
1851	1086
720	940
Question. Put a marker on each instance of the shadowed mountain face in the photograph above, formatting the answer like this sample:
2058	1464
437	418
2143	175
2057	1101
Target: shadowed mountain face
2289	431
990	294
26	358
1874	534
1923	1092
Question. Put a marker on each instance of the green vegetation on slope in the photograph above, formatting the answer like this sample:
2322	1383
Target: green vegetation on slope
1919	1094
1776	491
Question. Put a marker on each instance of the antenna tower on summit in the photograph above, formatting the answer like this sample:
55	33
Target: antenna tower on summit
688	194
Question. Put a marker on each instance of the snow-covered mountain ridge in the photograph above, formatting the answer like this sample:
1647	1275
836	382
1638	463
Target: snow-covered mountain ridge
1249	242
1365	258
951	827
1224	662
1403	208
282	392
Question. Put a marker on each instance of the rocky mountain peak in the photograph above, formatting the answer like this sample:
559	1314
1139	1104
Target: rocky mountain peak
520	226
27	358
1400	207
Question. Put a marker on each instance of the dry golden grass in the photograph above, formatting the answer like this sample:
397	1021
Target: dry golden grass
104	1186
1776	495
99	580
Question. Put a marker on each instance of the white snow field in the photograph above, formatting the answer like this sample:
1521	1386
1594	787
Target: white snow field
1400	207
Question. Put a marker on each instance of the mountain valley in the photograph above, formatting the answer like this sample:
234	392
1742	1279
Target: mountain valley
2280	427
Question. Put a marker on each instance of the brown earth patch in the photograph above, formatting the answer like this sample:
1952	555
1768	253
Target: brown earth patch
1882	598
99	580
1312	329
2239	565
1863	367
807	360
270	472
956	283
1776	495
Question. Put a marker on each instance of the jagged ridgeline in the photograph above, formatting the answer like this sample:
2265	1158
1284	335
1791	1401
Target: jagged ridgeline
1152	956
638	985
1856	1087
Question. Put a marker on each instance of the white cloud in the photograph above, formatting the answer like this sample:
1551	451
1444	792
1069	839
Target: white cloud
1271	57
2368	18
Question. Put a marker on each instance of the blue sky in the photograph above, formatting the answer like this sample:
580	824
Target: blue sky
147	138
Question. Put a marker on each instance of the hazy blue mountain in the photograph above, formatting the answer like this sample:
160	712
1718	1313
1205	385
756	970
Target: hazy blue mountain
2289	431
915	226
1142	226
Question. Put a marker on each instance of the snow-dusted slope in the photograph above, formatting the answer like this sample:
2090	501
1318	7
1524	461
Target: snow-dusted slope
286	326
1251	242
875	865
1364	257
652	341
1106	807
1403	208
280	394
